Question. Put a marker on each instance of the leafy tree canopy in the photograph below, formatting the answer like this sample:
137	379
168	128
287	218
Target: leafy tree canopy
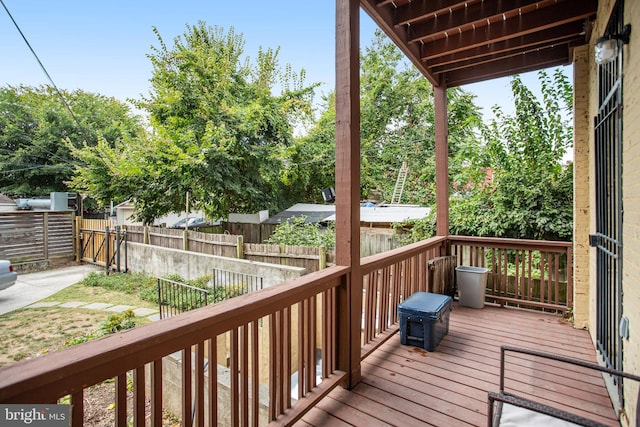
37	132
397	119
531	195
219	130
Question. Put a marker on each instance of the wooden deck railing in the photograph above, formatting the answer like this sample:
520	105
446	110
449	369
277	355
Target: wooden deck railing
388	279
257	341
528	273
277	324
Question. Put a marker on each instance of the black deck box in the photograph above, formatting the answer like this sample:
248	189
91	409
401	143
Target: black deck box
424	319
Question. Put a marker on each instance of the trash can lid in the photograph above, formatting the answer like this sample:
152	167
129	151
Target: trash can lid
424	303
471	269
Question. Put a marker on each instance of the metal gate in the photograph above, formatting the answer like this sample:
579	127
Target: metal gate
608	182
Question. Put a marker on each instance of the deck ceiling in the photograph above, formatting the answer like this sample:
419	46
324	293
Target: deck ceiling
455	42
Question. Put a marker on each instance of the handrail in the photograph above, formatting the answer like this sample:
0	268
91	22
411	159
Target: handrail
494	242
57	374
386	259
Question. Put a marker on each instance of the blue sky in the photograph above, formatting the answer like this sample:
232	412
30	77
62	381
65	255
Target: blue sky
101	46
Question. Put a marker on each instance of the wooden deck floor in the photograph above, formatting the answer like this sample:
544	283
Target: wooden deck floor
407	386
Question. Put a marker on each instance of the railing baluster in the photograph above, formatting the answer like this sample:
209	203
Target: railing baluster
244	375
273	366
139	397
156	392
233	373
516	285
550	281
199	397
77	409
312	342
121	400
255	374
186	386
286	356
213	381
542	275
301	348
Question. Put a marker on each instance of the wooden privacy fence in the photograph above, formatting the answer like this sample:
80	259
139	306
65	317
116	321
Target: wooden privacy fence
310	258
527	273
32	236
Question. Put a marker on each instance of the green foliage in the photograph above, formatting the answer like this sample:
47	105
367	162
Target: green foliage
416	230
531	195
297	232
397	119
219	130
119	322
115	323
129	283
37	134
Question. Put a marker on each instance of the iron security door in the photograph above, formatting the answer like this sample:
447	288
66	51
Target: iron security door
609	209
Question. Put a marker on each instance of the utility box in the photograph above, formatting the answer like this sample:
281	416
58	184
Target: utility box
424	319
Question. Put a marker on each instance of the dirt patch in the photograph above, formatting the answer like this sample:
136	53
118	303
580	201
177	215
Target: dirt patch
99	407
32	332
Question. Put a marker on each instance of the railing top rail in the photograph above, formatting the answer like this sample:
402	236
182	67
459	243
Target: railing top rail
238	273
182	285
57	374
499	242
385	259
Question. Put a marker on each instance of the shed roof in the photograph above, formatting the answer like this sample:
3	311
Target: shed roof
315	213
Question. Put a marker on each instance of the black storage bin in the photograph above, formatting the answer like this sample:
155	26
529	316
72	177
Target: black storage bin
424	319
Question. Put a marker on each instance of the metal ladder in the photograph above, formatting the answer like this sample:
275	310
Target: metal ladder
402	178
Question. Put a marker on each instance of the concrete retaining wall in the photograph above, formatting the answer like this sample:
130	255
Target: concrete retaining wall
159	262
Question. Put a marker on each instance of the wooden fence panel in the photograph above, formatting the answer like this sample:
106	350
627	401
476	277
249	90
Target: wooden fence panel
29	236
213	244
294	256
135	233
60	234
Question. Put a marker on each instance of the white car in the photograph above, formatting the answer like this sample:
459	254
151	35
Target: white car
7	275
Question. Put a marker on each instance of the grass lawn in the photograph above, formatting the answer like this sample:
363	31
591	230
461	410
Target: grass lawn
32	332
81	292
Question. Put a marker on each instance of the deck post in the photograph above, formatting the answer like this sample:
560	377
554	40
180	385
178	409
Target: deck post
442	160
349	294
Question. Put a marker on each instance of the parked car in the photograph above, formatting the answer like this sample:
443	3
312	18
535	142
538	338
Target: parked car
7	275
193	223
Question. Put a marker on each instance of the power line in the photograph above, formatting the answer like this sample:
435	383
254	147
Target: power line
41	65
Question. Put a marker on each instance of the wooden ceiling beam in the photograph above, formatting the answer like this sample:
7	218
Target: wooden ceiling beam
414	12
545	19
474	16
498	57
541	58
555	35
383	17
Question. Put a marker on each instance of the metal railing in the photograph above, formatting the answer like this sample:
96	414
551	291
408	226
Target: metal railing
175	297
228	284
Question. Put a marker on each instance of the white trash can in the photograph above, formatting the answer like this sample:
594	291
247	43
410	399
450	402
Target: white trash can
472	282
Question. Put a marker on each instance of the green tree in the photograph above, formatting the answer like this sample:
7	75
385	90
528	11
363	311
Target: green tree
297	231
531	195
37	132
397	119
219	131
